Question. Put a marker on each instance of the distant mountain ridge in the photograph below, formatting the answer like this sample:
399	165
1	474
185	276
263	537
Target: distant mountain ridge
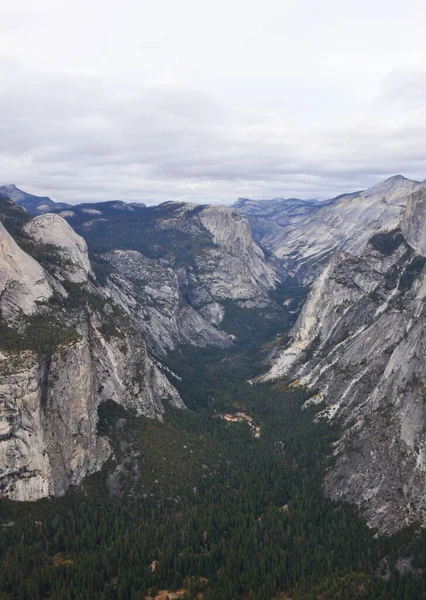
305	233
35	205
38	205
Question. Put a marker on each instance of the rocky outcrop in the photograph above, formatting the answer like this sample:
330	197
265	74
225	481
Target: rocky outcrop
150	293
60	359
48	407
178	266
53	230
82	336
23	282
359	343
48	414
241	271
305	234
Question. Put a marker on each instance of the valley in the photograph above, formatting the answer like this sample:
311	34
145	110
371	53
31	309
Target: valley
204	500
185	412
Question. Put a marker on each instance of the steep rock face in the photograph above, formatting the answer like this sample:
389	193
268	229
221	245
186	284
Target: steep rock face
412	223
48	408
150	293
23	282
359	341
54	231
305	235
48	414
90	341
242	271
124	370
60	362
178	265
269	219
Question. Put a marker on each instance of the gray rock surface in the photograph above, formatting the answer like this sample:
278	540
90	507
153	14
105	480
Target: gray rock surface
53	230
305	234
150	292
23	282
50	393
101	338
359	343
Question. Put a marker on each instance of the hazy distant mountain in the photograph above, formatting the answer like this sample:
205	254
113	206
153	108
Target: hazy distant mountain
35	205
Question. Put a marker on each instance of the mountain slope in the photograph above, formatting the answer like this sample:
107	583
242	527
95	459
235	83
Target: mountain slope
65	347
305	234
202	259
77	332
35	205
359	341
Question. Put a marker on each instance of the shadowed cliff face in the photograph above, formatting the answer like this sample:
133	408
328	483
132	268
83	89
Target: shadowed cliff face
360	341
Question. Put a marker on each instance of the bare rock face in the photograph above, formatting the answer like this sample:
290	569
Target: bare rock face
413	224
48	414
150	292
23	283
359	343
48	407
96	341
180	296
126	374
305	234
60	360
241	271
53	230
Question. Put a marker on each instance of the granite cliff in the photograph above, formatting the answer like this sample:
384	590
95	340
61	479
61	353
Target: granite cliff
359	344
65	348
304	234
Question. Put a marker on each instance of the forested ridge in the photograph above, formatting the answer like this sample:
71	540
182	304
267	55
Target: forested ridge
202	506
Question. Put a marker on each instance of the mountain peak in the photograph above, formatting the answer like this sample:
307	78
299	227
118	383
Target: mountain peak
393	187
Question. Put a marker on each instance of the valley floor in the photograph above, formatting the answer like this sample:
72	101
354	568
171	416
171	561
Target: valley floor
199	507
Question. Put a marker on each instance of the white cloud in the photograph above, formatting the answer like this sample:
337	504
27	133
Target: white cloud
210	101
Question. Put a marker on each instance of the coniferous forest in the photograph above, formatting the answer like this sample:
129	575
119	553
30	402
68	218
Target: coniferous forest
199	507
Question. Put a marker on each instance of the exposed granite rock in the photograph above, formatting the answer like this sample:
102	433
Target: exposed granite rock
180	297
360	342
23	282
48	415
305	234
48	407
150	293
50	393
108	331
53	230
241	270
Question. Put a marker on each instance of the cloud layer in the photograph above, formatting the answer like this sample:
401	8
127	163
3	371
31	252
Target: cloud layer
173	101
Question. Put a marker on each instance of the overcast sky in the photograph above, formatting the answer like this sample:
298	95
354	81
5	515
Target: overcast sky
209	100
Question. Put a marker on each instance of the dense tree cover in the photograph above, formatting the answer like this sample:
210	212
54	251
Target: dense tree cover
387	242
152	231
221	512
